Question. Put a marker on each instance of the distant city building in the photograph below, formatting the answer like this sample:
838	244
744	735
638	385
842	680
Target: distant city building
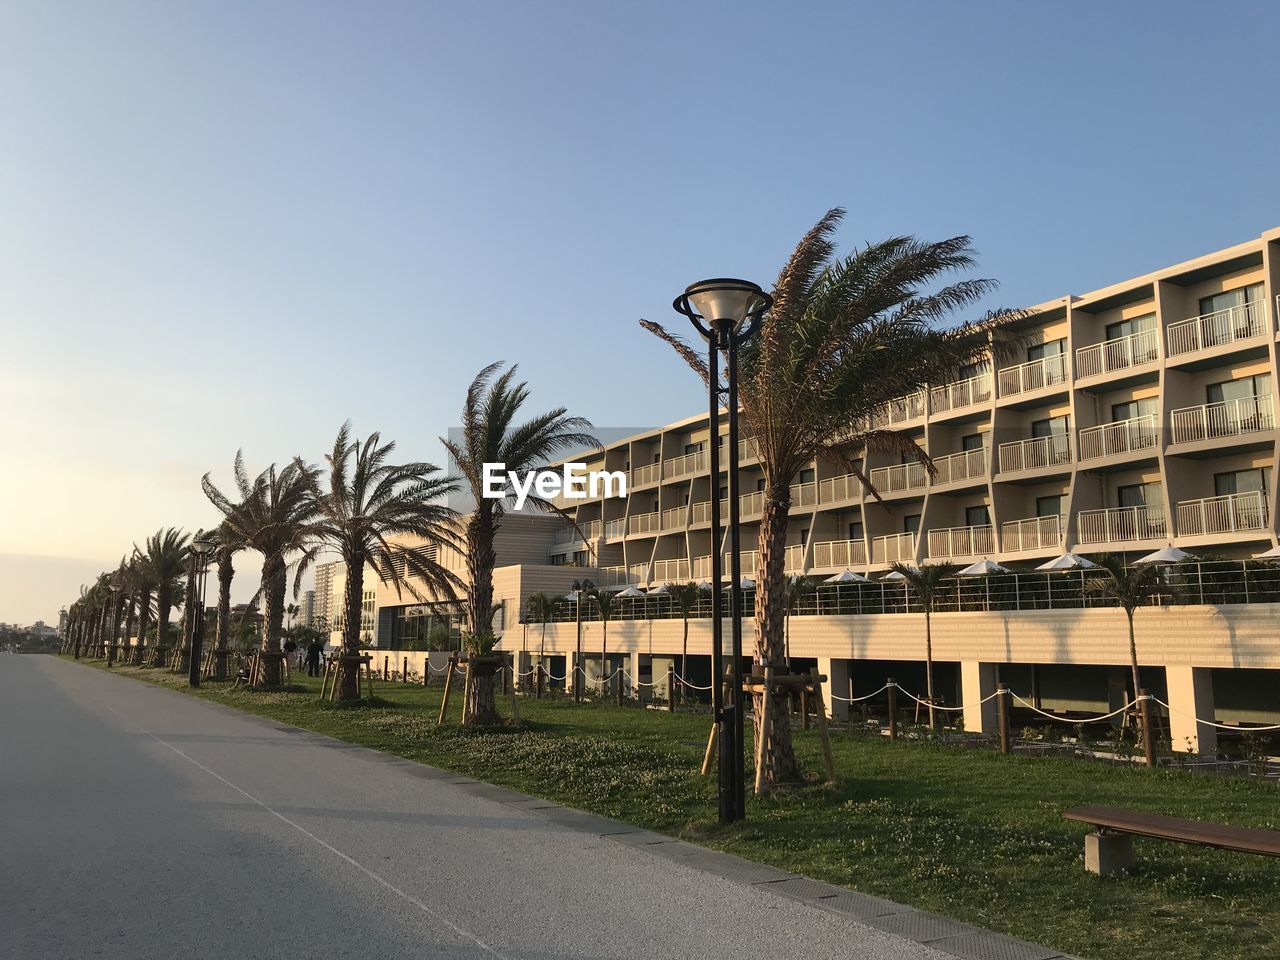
307	608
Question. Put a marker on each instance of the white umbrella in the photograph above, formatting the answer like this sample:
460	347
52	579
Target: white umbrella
746	583
983	568
847	576
661	591
1167	555
1068	561
895	575
704	584
1272	554
631	592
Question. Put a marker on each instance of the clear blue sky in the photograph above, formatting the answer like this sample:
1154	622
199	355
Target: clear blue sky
238	224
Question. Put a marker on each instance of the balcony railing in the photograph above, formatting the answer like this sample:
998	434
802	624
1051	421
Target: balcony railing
840	553
1123	436
615	529
793	559
1034	533
746	450
695	462
898	546
1234	513
1118	354
614	575
700	512
748	560
901	476
962	393
666	571
645	523
1033	375
804	494
1216	329
1229	418
836	489
964	465
589	529
900	410
1035	453
979	541
649	473
638	572
701	568
674	518
1121	524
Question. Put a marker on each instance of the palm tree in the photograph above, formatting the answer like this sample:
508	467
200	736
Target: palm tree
490	434
144	586
229	543
1130	588
273	516
370	499
606	605
685	597
843	338
796	589
926	583
131	584
165	553
540	607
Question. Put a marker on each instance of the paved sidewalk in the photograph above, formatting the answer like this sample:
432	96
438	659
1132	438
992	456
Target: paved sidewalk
137	822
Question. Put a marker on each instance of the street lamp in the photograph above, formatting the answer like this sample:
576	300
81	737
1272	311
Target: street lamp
725	312
201	549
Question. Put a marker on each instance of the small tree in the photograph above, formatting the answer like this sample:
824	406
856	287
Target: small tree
539	607
606	605
795	591
685	596
926	583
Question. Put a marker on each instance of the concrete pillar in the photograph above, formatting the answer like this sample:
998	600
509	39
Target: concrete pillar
837	674
521	660
1191	699
977	682
633	668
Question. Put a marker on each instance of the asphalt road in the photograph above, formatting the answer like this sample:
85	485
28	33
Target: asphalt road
137	822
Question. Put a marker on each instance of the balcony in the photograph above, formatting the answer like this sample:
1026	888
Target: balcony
701	568
900	410
690	463
649	473
804	494
615	575
840	553
1123	436
898	546
668	571
645	523
746	451
638	573
962	542
1234	513
962	393
1118	354
965	465
1230	418
1035	454
837	489
900	477
1218	329
701	512
674	519
590	530
1033	375
746	558
749	505
615	529
1122	525
1034	533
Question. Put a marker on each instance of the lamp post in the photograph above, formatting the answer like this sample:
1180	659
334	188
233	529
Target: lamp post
725	313
201	549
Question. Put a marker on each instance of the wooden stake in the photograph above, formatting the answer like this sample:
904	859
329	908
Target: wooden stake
822	727
448	686
1002	716
671	689
466	692
766	718
893	708
711	748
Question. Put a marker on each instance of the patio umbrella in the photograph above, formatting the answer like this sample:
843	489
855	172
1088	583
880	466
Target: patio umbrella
847	576
631	592
983	568
1068	561
1167	555
746	583
895	575
704	584
660	591
1272	554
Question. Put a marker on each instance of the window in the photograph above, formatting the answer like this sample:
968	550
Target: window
804	535
806	476
1133	409
855	530
760	484
692	448
1050	506
1127	328
972	441
1231	298
911	523
977	516
1050	348
1138	495
1255	480
1050	427
971	370
1245	388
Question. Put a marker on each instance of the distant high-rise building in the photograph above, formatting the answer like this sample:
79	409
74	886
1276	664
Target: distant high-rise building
307	611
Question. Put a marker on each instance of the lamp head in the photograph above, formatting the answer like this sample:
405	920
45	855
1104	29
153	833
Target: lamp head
203	546
722	300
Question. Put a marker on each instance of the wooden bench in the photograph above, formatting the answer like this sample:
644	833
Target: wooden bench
1110	848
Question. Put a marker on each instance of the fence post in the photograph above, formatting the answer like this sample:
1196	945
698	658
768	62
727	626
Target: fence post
671	689
893	708
1148	741
404	672
386	669
1002	715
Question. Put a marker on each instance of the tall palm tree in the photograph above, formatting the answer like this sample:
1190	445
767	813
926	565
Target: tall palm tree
926	583
606	605
229	543
273	516
540	607
132	585
796	589
685	597
843	338
144	586
490	434
369	500
1130	588
165	552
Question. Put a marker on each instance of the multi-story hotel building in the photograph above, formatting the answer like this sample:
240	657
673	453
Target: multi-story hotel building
1135	417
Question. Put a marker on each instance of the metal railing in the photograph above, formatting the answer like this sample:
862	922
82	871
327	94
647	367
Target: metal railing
897	546
700	512
1122	436
804	494
962	393
612	575
701	569
1033	454
1232	513
695	462
645	523
793	558
976	541
1118	354
1241	322
674	518
900	410
638	572
747	558
749	505
1033	375
666	571
899	477
840	553
1227	418
844	487
746	450
964	465
615	529
649	473
1121	525
1033	533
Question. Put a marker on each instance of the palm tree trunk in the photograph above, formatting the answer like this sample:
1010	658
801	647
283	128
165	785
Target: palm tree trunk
778	758
480	710
130	616
222	642
273	582
928	665
684	653
604	657
164	604
1144	715
349	664
181	661
144	624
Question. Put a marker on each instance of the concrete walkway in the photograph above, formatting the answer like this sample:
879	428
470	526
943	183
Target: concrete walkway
137	822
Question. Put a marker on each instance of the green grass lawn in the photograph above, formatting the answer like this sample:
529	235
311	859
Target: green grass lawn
970	834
